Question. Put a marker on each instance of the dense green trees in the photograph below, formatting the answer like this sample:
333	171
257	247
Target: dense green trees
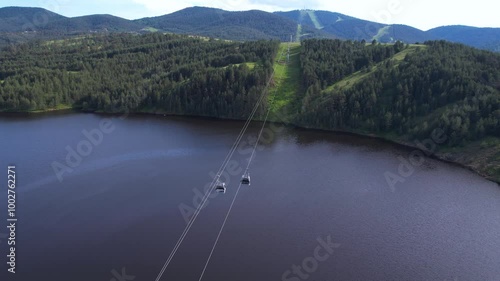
328	61
155	72
355	86
439	85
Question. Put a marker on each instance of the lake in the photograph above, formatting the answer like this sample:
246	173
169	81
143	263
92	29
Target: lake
114	211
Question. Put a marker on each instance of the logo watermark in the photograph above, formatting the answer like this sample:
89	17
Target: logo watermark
123	276
310	265
84	148
415	159
91	139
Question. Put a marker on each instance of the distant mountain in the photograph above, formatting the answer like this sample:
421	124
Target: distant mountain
246	25
347	27
19	24
92	23
339	25
18	19
483	38
409	34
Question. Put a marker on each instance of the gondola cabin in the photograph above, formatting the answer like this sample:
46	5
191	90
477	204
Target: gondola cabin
246	179
221	187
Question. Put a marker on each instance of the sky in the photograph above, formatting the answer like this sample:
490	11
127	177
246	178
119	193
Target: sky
422	14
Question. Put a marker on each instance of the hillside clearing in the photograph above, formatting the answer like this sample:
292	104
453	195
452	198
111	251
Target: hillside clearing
381	33
287	80
299	33
358	76
150	29
315	20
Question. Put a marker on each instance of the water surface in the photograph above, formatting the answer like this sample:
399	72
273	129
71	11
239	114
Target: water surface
119	209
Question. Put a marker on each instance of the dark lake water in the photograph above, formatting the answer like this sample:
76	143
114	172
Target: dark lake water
118	210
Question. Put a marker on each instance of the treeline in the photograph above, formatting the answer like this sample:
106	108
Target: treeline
155	72
369	87
438	85
325	62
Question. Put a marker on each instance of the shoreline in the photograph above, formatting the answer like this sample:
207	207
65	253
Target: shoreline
403	144
408	146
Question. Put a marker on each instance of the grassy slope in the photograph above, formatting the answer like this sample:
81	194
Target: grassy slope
302	15
287	83
383	31
315	20
150	29
412	48
57	108
251	65
350	80
357	77
299	33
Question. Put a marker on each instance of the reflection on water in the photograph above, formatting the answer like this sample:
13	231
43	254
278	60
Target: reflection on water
120	207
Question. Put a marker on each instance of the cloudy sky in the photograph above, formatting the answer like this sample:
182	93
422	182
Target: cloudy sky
423	14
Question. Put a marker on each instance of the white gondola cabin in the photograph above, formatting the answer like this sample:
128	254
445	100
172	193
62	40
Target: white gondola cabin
246	178
220	187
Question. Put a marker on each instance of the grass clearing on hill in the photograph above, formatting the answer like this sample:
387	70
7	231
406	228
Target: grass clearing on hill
287	81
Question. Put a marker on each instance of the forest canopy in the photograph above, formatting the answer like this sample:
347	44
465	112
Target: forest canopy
122	72
408	90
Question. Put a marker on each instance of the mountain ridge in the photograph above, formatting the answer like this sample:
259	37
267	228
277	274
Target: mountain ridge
21	24
212	22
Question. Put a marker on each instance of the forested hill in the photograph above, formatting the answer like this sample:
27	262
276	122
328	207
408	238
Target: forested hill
410	90
483	38
406	92
398	91
151	73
